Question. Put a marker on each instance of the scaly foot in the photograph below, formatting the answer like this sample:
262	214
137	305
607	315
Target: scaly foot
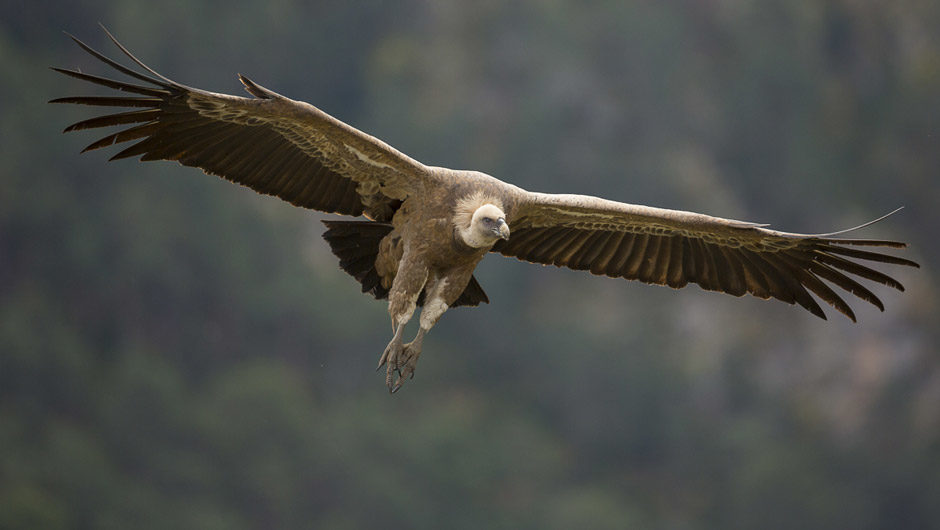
406	362
390	359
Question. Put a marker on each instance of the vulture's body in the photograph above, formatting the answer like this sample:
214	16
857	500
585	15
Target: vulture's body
428	227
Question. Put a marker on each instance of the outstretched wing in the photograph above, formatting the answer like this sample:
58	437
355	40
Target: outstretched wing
674	248
270	143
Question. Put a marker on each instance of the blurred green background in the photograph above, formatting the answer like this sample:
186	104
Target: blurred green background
179	352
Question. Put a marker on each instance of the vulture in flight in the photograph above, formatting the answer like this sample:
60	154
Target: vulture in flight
426	228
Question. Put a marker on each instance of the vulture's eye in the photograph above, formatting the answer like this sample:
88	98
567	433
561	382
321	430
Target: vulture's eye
488	220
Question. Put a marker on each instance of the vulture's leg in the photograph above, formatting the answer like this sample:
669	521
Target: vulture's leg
409	357
402	299
438	292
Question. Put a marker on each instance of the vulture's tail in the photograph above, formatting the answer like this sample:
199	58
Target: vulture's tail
356	244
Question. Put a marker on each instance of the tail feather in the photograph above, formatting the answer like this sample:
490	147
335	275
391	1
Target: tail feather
356	244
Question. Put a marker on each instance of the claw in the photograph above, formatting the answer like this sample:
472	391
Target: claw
391	359
400	380
400	361
382	360
406	363
394	368
393	387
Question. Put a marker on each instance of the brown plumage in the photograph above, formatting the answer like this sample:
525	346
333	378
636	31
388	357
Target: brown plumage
428	227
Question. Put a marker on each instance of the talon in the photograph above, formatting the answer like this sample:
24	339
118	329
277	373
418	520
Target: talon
384	358
396	386
393	370
391	359
408	361
400	361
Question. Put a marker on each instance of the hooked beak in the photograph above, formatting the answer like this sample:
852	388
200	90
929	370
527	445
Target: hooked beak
502	229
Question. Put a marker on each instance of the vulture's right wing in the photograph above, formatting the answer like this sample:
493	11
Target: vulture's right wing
270	143
670	247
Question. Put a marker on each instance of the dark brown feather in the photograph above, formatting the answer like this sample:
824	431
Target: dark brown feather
111	83
734	282
755	280
829	274
675	277
601	262
591	245
858	270
126	135
109	101
563	241
110	120
788	277
775	283
632	266
869	256
801	273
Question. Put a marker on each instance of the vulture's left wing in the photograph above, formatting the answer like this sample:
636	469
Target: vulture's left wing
674	248
272	144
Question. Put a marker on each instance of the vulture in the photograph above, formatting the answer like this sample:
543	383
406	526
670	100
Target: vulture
425	228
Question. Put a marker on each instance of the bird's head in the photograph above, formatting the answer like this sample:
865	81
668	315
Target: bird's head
488	220
487	224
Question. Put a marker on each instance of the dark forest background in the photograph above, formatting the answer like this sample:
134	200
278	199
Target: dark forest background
179	352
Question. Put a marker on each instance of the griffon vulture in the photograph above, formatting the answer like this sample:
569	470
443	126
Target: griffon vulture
426	227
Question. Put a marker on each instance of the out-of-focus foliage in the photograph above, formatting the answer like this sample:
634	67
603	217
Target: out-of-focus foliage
177	352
